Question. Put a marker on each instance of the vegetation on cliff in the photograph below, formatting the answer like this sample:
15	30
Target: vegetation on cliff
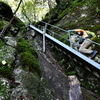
28	56
67	14
76	14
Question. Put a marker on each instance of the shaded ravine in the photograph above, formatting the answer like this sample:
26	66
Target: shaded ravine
62	85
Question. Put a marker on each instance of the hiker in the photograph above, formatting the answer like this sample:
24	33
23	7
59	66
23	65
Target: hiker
85	43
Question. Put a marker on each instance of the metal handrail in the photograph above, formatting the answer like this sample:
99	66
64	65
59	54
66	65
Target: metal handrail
67	31
66	47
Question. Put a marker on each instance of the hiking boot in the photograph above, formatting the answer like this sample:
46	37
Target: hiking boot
93	54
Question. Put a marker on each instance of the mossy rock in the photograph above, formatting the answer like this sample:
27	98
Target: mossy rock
28	56
2	24
5	70
24	46
30	63
7	55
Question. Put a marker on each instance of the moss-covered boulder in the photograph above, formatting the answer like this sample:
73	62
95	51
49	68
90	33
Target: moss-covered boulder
6	59
28	56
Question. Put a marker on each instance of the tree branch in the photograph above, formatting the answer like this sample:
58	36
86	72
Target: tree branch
18	6
6	26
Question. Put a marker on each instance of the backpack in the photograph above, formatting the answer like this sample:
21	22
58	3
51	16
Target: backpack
91	35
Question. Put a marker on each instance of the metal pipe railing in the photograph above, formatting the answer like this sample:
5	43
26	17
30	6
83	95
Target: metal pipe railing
66	47
67	31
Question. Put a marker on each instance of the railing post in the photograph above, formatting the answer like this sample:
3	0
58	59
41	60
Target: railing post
44	31
69	39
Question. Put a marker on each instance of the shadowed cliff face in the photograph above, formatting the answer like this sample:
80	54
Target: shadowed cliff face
84	14
6	16
76	14
5	10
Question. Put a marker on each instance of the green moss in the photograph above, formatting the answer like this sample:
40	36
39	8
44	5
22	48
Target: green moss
69	25
64	39
29	62
2	24
28	56
23	29
5	70
1	44
24	46
21	24
62	14
97	47
71	73
95	28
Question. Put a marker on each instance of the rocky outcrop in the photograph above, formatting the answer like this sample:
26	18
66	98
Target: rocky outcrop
77	14
20	81
24	84
17	82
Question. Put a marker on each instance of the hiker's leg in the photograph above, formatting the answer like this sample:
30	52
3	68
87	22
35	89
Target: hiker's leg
84	46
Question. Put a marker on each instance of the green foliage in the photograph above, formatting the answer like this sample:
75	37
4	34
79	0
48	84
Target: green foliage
24	46
2	24
5	71
95	28
23	29
63	13
28	56
77	2
97	47
71	73
29	62
20	24
4	89
64	39
1	44
69	25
